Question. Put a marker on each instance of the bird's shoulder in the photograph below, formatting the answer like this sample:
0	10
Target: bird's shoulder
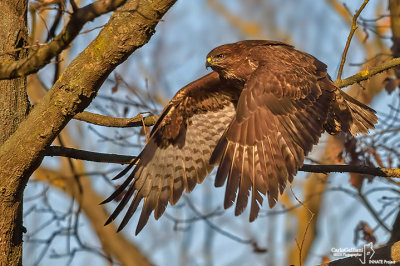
277	57
207	94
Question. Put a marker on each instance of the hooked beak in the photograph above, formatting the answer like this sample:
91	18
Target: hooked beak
208	62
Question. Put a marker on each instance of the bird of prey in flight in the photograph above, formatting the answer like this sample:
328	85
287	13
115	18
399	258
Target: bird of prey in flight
255	117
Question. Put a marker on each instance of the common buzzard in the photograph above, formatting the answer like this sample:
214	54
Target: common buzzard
255	116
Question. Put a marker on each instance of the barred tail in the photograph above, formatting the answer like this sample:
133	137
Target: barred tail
349	115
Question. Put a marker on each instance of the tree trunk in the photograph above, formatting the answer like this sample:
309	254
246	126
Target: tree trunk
14	106
22	151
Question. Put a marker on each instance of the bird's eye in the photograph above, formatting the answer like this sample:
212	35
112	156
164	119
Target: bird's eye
220	56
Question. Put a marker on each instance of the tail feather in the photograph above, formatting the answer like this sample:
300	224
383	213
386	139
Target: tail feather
349	115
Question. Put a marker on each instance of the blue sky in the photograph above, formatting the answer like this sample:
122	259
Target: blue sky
174	57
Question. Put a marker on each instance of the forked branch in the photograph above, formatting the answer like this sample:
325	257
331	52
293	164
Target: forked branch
42	56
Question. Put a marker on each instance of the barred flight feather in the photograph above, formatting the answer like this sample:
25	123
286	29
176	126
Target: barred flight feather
255	117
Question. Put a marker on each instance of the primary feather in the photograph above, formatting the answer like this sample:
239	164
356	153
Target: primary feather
256	117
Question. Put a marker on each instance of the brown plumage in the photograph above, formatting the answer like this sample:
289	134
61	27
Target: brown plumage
256	117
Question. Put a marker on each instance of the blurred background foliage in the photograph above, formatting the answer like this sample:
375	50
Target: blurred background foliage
62	212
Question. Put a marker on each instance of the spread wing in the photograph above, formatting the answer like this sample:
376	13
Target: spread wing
280	116
178	152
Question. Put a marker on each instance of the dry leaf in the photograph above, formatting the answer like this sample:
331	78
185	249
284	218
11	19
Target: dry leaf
367	231
356	180
325	259
257	249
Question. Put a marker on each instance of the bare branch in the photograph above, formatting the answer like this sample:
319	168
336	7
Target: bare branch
109	121
312	168
367	73
301	245
113	244
124	33
352	30
44	54
373	212
395	235
88	155
342	168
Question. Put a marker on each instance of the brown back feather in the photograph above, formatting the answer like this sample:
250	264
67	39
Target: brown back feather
177	155
256	117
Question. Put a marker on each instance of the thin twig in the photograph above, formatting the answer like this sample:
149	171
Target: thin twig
216	228
372	211
42	56
36	45
300	247
352	30
367	73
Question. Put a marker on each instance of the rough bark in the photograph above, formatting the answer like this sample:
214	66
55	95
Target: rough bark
65	178
13	97
13	109
44	54
23	151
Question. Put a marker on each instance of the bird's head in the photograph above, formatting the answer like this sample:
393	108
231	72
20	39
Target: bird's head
226	60
221	57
